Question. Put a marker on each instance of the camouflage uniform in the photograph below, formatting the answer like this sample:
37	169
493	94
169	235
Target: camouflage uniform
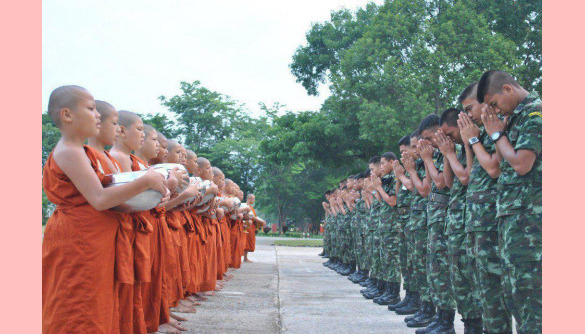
345	235
520	219
403	201
420	239
482	229
438	260
374	240
462	263
350	238
390	231
358	235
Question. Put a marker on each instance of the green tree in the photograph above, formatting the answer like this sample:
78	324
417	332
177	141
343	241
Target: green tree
161	123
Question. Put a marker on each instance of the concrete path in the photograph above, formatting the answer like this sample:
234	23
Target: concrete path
288	290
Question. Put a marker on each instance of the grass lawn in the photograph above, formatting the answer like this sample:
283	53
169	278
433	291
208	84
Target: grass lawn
299	243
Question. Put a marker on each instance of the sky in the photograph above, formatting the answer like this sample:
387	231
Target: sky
131	52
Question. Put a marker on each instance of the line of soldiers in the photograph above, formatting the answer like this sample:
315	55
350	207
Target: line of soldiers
458	220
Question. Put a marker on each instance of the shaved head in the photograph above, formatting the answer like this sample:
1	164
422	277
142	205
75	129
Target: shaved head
216	171
127	118
191	154
64	97
171	144
201	162
161	137
148	129
105	109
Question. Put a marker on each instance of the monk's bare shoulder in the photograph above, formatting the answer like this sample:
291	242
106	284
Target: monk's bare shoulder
68	155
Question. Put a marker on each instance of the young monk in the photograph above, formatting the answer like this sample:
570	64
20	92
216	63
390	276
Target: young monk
125	237
222	236
251	236
79	240
152	231
209	247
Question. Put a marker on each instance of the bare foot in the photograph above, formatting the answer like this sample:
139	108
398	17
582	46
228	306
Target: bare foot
183	309
177	317
166	328
208	293
176	324
193	300
248	261
187	303
200	297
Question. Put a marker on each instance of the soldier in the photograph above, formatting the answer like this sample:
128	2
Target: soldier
366	197
403	200
439	277
389	231
421	301
481	225
519	143
456	172
379	285
361	274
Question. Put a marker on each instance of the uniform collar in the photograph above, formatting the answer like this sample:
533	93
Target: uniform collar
527	100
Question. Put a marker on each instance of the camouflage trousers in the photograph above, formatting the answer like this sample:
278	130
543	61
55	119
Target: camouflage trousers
438	267
360	249
488	278
390	243
408	252
401	221
520	246
376	270
419	263
368	247
462	267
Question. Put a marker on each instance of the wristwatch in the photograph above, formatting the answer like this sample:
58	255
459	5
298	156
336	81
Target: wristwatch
497	135
473	140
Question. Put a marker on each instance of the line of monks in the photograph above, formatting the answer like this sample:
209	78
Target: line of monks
106	270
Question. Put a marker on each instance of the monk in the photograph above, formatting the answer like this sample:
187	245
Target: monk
251	236
222	232
107	136
78	253
209	247
152	231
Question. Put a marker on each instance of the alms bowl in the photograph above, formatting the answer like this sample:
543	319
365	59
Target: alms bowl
142	202
168	167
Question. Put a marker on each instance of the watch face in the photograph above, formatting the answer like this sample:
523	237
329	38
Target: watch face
496	135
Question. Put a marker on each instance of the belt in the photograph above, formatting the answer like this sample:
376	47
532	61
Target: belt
439	198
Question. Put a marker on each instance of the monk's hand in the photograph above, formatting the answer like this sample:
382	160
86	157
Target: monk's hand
181	176
466	127
156	181
165	198
491	121
213	189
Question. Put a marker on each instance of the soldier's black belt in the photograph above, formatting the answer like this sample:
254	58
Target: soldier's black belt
439	198
481	197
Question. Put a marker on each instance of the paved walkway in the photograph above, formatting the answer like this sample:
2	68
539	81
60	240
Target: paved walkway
288	290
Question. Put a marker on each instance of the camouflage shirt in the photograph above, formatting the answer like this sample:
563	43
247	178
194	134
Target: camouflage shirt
418	202
481	193
438	198
458	191
523	193
387	212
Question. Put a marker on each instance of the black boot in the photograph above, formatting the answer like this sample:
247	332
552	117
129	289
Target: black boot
358	276
377	291
410	308
353	276
473	326
369	285
392	307
384	298
446	324
436	321
364	282
394	296
350	269
425	317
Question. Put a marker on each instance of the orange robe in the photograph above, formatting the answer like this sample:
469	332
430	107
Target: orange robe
78	258
209	256
174	270
251	236
156	309
131	317
236	240
227	248
196	253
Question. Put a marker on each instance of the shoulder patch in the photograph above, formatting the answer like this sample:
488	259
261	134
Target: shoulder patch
535	113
